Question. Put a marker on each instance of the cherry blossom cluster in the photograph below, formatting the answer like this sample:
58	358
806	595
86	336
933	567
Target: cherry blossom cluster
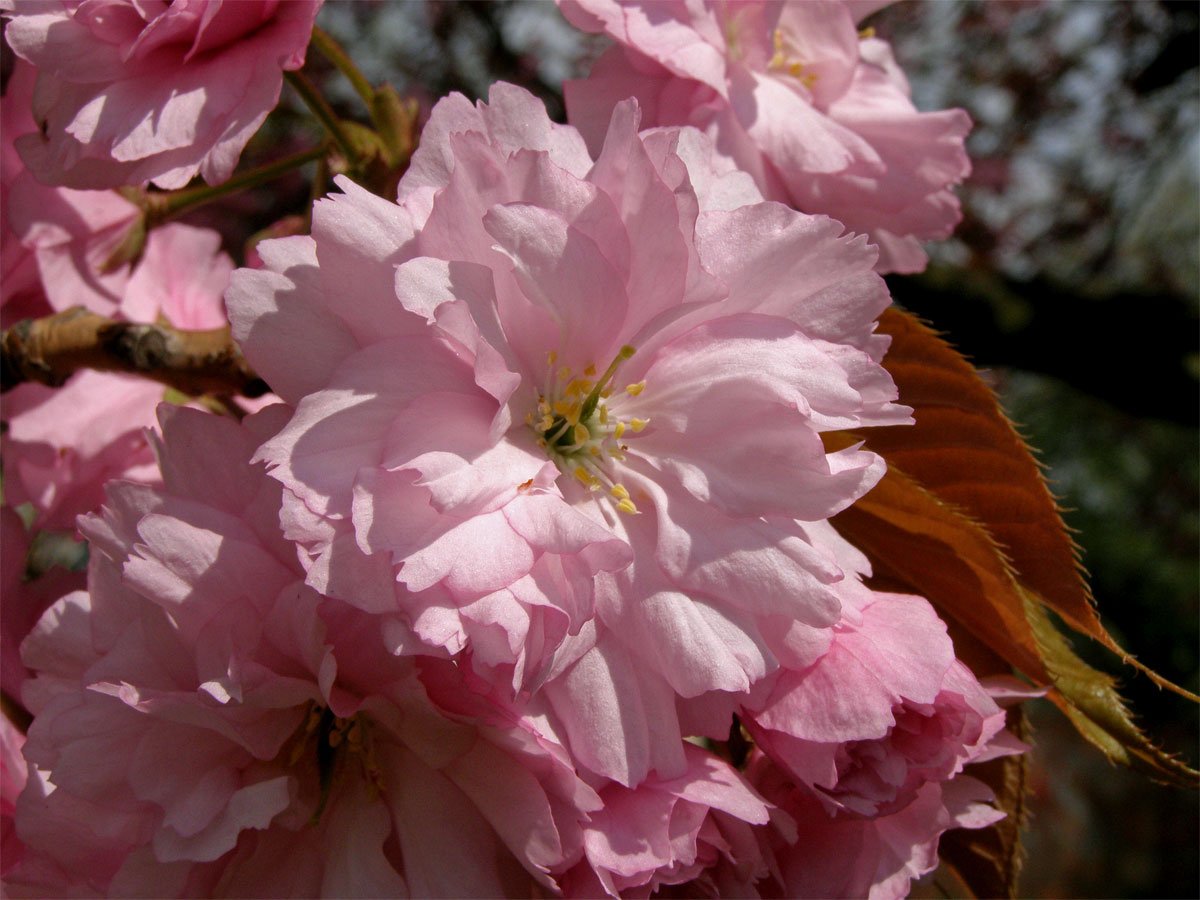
522	581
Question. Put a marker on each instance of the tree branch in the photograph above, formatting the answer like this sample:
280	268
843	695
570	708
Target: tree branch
51	349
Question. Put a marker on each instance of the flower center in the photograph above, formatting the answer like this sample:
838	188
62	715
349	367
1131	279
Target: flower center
332	739
576	428
786	60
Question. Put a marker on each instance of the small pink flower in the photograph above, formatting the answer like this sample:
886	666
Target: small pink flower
819	115
818	854
130	92
697	829
884	710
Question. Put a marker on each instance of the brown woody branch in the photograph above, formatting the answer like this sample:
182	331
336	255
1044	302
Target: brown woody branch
51	349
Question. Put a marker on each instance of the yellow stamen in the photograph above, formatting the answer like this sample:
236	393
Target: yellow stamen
634	389
638	424
626	506
581	434
620	491
590	371
564	373
583	475
868	32
619	430
604	415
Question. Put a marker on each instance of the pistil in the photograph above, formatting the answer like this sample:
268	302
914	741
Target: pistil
578	430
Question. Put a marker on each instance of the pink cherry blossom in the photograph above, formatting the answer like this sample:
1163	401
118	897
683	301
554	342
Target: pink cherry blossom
612	374
699	828
696	829
885	710
817	854
206	732
819	115
129	92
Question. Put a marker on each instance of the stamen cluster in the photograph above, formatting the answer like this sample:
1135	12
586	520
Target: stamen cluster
324	735
576	428
784	60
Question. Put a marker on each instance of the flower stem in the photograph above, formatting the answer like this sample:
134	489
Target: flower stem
163	206
333	52
324	112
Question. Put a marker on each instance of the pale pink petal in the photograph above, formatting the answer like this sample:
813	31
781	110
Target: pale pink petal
661	31
182	276
276	307
563	271
458	557
344	427
72	234
620	719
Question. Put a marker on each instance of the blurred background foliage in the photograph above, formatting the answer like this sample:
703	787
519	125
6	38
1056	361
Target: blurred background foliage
1074	279
1073	282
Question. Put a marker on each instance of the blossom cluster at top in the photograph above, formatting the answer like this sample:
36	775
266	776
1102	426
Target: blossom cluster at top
522	581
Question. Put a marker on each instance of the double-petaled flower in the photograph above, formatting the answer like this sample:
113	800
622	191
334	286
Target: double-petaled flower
794	94
566	413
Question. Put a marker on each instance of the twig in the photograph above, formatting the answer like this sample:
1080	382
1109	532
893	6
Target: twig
51	349
333	52
320	108
164	205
